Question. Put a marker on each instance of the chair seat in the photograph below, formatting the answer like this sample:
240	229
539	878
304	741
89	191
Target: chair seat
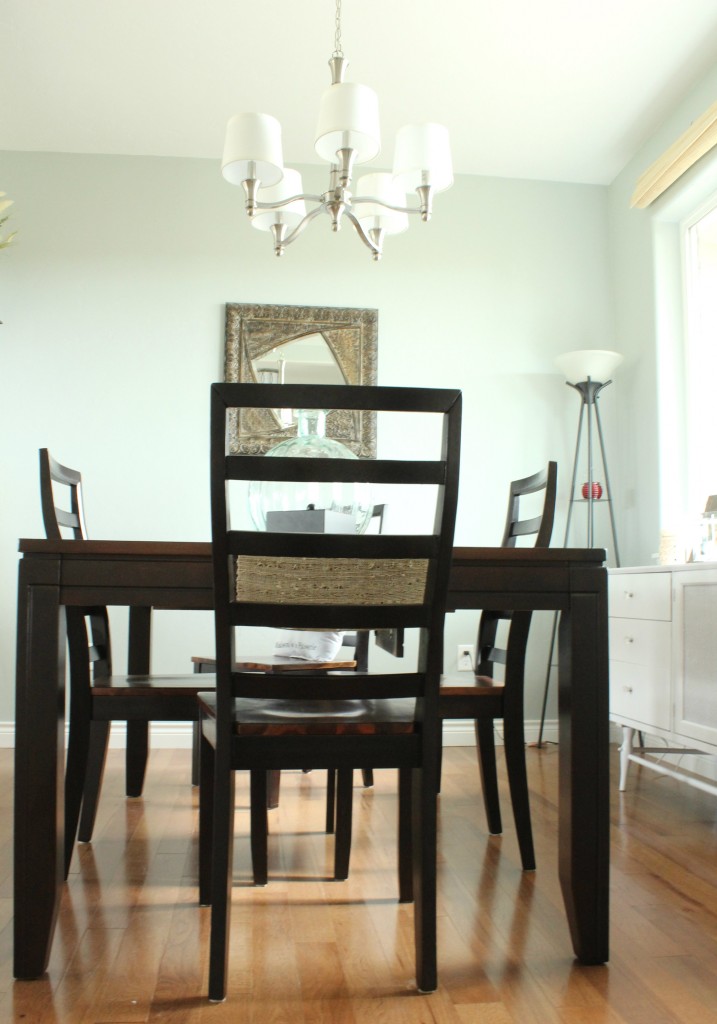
141	685
459	700
476	685
140	698
276	663
254	717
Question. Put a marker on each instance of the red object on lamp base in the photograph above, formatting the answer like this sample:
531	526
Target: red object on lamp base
597	490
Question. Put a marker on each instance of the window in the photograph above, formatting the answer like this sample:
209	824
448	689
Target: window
684	227
700	356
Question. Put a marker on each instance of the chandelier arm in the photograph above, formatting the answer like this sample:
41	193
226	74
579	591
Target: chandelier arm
300	227
285	202
361	233
385	205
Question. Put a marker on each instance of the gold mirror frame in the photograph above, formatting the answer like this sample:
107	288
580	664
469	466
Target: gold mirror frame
252	331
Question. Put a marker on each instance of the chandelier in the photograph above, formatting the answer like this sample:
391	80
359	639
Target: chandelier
348	134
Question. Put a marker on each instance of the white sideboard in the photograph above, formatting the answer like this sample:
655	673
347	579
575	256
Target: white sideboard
663	664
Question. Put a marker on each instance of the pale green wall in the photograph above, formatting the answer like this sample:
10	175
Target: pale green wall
641	485
112	302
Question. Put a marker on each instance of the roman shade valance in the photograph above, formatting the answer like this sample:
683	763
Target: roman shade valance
699	139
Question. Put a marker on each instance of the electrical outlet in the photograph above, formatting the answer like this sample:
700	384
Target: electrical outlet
466	656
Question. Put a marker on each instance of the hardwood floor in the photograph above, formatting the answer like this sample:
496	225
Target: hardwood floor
131	943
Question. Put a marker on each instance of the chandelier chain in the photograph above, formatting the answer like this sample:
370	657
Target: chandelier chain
338	50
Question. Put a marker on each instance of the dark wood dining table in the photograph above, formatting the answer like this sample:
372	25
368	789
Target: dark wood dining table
147	574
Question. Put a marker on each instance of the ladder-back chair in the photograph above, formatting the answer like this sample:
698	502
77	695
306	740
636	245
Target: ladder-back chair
98	697
485	698
327	581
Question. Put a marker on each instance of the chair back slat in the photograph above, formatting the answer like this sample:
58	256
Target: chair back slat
70	519
331	581
527	527
331	545
339	617
258	467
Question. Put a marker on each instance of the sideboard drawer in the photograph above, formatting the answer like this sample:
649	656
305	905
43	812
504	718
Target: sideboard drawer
642	642
636	694
646	595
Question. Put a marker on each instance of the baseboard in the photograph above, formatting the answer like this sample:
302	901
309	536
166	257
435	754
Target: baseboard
171	735
460	733
178	735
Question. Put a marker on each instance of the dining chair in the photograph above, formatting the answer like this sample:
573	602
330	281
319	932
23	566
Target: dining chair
99	697
327	581
484	698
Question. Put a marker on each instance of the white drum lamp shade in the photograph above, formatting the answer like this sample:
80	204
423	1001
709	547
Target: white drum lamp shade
597	364
348	119
423	157
292	214
372	215
252	149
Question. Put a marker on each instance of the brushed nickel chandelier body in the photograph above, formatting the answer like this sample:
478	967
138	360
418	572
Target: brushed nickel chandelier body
348	134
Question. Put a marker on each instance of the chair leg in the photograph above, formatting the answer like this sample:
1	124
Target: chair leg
514	741
259	826
273	787
424	879
488	774
440	761
136	756
206	818
405	837
330	801
344	815
196	751
367	779
78	747
97	755
221	881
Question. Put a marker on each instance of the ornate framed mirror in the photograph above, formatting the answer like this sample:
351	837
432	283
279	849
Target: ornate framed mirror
300	344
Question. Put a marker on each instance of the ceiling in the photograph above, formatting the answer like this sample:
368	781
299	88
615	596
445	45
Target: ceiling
563	90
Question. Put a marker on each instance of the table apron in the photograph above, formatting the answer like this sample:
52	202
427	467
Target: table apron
190	598
506	599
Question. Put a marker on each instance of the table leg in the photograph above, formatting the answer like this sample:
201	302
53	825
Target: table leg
584	793
39	766
138	663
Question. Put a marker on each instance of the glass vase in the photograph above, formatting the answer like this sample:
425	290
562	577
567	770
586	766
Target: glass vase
335	506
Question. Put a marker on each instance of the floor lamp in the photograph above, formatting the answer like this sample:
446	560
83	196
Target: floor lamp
588	372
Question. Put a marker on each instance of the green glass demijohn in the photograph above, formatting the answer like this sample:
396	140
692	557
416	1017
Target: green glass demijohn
351	499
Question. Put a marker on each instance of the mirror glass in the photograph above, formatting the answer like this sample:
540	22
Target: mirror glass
300	345
305	361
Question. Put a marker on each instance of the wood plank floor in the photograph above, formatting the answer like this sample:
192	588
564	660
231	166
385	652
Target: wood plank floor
131	943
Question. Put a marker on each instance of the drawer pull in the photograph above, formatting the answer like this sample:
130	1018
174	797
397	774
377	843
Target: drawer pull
629	594
629	640
627	689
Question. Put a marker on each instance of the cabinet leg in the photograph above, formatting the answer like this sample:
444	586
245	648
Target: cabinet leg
625	751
